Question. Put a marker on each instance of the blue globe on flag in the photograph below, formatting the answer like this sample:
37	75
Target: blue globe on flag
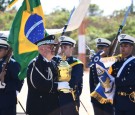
34	28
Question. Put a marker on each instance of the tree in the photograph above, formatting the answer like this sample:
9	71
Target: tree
4	4
6	19
57	19
94	10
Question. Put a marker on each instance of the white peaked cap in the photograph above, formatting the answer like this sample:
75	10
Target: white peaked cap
124	38
3	44
3	36
67	40
102	42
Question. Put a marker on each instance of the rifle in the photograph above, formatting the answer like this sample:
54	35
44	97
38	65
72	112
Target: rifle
114	44
4	66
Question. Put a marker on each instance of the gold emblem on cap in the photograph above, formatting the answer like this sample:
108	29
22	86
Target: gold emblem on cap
123	36
99	40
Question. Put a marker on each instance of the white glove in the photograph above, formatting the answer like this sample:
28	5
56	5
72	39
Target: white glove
2	86
63	85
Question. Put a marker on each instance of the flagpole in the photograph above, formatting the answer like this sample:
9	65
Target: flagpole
82	42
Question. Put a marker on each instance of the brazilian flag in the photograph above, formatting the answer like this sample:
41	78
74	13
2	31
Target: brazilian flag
24	50
11	3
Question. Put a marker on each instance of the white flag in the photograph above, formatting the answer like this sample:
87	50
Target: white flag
76	18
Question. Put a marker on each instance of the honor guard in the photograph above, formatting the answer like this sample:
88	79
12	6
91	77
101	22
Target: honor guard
42	81
124	73
9	81
99	109
72	99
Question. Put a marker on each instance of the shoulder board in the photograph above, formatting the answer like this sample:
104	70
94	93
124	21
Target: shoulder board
74	62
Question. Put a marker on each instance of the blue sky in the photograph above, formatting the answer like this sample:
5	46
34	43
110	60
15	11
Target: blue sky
107	5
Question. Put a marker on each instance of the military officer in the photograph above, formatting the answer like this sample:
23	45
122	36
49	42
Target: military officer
99	109
11	83
124	73
42	81
67	45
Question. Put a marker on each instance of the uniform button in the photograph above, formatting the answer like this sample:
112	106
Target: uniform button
129	64
40	96
128	68
130	88
128	72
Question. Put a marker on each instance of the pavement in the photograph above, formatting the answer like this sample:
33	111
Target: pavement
85	98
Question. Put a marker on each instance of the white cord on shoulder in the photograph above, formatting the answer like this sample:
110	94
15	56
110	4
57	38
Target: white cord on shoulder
49	73
124	64
31	75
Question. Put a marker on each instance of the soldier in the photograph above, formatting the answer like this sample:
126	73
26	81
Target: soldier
99	109
67	45
41	78
124	73
11	83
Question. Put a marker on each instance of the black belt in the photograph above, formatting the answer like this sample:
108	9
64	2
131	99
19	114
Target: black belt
120	93
130	95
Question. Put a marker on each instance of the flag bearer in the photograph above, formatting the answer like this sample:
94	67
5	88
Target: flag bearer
99	109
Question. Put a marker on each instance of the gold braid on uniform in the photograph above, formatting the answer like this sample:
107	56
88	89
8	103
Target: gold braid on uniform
101	99
75	63
74	90
132	96
106	84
